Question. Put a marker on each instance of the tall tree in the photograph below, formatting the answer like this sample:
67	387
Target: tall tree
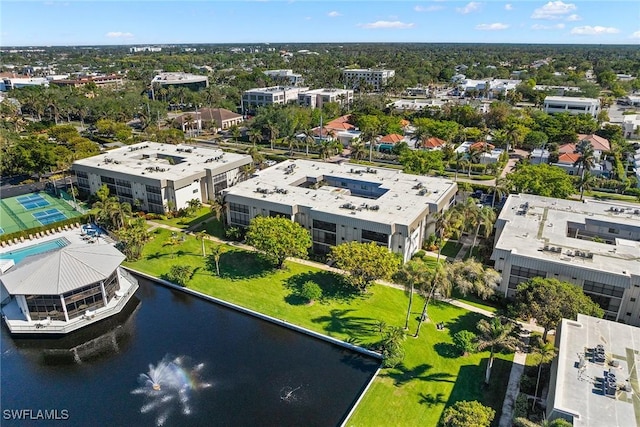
545	351
550	300
413	274
495	334
278	238
364	262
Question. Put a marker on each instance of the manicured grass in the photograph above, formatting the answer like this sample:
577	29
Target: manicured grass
184	222
474	301
211	226
414	393
450	249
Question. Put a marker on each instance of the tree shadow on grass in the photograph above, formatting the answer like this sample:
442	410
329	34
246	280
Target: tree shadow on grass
468	321
236	265
157	255
338	322
334	287
432	400
447	350
402	375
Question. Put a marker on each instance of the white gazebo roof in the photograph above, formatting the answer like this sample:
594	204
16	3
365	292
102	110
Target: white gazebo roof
64	270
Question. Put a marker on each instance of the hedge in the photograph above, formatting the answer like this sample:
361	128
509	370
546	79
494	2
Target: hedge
54	225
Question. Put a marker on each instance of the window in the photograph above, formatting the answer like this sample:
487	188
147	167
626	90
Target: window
632	299
375	237
236	207
522	274
614	231
322	225
195	191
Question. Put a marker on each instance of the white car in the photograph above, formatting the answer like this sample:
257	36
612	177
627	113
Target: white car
270	162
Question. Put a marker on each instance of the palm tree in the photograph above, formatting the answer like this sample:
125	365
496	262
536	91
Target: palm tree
412	274
546	351
255	154
514	135
308	140
587	182
465	164
291	143
585	162
273	133
458	157
470	276
357	149
485	218
255	136
438	282
201	235
218	208
235	132
120	213
216	254
495	335
500	189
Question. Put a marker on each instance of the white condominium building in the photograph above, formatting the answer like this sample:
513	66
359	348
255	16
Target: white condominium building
317	97
340	203
192	81
286	76
572	105
594	245
376	78
259	97
156	176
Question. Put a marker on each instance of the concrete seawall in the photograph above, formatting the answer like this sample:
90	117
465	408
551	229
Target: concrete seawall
262	316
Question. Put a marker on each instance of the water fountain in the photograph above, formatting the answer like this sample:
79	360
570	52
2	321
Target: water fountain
167	387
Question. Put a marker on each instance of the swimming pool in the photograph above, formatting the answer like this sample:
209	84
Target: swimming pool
18	255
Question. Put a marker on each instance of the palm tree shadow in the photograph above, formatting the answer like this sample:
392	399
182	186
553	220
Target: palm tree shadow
402	375
337	322
333	286
432	399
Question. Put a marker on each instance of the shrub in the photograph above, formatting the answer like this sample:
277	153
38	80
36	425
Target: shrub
465	341
311	291
179	274
467	413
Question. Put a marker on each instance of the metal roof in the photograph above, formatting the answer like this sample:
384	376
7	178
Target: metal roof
55	273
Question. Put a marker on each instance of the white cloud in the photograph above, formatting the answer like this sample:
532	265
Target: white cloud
508	6
559	26
333	14
473	6
119	35
636	35
553	10
573	18
492	27
591	31
388	24
432	8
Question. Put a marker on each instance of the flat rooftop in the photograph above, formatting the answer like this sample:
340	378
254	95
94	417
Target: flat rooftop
580	378
392	196
162	161
535	222
571	99
178	78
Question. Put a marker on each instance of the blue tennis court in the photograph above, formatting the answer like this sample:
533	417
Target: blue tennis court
49	216
33	201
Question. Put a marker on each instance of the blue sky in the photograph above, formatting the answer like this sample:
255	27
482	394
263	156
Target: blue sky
58	22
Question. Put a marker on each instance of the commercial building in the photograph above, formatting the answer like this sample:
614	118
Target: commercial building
191	81
571	105
340	203
209	118
259	97
10	83
112	80
594	245
286	77
157	176
315	98
377	79
63	283
594	379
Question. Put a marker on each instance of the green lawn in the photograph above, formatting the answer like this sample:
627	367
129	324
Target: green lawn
414	393
450	249
201	215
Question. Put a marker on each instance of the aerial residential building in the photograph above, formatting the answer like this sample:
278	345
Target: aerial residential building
191	81
112	80
572	105
317	97
568	155
287	77
353	78
62	283
136	49
155	176
489	88
630	125
594	377
593	245
340	203
209	118
259	97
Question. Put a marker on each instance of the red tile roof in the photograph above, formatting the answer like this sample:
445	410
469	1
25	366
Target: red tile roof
597	142
480	145
432	142
568	158
567	148
391	138
341	123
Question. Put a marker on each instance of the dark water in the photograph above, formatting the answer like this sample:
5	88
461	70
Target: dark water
240	371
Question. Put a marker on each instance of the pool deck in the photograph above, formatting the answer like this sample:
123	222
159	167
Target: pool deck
17	322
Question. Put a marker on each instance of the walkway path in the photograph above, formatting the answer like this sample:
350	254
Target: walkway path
517	367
